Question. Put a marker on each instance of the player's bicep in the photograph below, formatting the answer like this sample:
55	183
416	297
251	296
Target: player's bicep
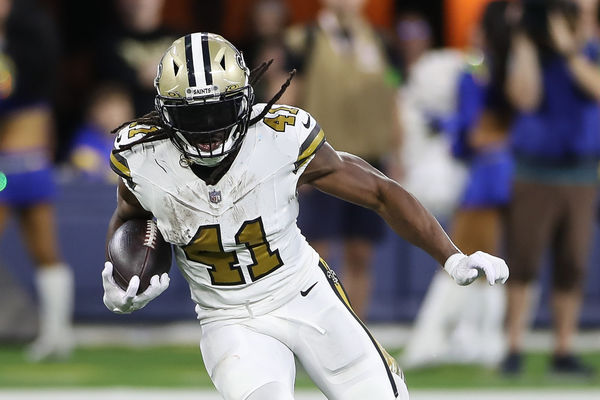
128	206
345	176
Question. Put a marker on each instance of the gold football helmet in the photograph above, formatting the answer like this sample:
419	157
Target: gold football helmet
204	96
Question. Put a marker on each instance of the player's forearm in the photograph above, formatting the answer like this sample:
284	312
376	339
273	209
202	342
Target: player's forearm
413	222
128	208
114	224
350	178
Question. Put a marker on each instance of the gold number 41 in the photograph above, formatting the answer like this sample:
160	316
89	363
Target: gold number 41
280	121
207	249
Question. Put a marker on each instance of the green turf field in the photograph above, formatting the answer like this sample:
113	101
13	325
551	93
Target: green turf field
182	367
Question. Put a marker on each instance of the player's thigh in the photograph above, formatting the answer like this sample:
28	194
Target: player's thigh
240	360
341	356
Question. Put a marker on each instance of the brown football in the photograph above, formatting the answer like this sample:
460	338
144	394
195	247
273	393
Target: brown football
138	248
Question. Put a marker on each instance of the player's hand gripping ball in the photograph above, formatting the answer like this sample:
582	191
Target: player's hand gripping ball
138	248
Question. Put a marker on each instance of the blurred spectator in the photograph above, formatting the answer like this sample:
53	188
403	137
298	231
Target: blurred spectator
265	41
129	53
266	25
29	60
460	19
444	332
428	88
553	81
108	108
430	172
480	138
18	322
345	83
413	39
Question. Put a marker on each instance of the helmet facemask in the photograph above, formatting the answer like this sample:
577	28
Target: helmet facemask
204	97
207	130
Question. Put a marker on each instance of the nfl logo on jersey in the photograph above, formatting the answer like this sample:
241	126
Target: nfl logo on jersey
214	196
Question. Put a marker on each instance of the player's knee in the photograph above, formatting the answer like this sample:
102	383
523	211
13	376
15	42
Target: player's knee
272	391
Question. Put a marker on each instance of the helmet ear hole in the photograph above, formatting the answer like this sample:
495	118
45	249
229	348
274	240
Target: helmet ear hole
175	67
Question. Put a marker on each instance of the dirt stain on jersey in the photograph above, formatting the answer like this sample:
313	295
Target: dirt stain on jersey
177	220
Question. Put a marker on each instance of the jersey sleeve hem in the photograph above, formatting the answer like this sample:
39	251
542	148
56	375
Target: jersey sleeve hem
119	165
314	141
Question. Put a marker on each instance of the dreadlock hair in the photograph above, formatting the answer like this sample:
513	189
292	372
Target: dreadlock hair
257	73
152	118
277	96
163	132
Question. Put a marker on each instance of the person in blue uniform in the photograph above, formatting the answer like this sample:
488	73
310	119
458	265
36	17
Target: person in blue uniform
477	133
28	61
109	105
554	84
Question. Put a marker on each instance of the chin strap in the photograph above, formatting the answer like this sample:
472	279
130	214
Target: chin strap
184	162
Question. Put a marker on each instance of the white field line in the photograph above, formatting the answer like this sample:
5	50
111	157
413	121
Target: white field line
391	336
161	394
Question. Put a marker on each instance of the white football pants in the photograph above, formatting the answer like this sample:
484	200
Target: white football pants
247	355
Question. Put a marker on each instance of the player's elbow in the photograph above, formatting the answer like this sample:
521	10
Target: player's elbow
381	195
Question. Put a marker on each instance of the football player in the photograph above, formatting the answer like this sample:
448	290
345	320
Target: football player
220	176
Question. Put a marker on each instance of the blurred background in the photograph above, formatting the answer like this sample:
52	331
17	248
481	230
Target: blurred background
487	111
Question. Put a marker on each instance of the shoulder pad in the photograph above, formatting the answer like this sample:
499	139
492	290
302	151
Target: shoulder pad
299	127
310	136
133	133
127	137
281	118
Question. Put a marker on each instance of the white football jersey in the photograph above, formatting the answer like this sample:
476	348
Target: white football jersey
236	242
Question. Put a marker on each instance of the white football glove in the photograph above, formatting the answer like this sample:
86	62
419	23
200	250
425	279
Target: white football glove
465	269
122	301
